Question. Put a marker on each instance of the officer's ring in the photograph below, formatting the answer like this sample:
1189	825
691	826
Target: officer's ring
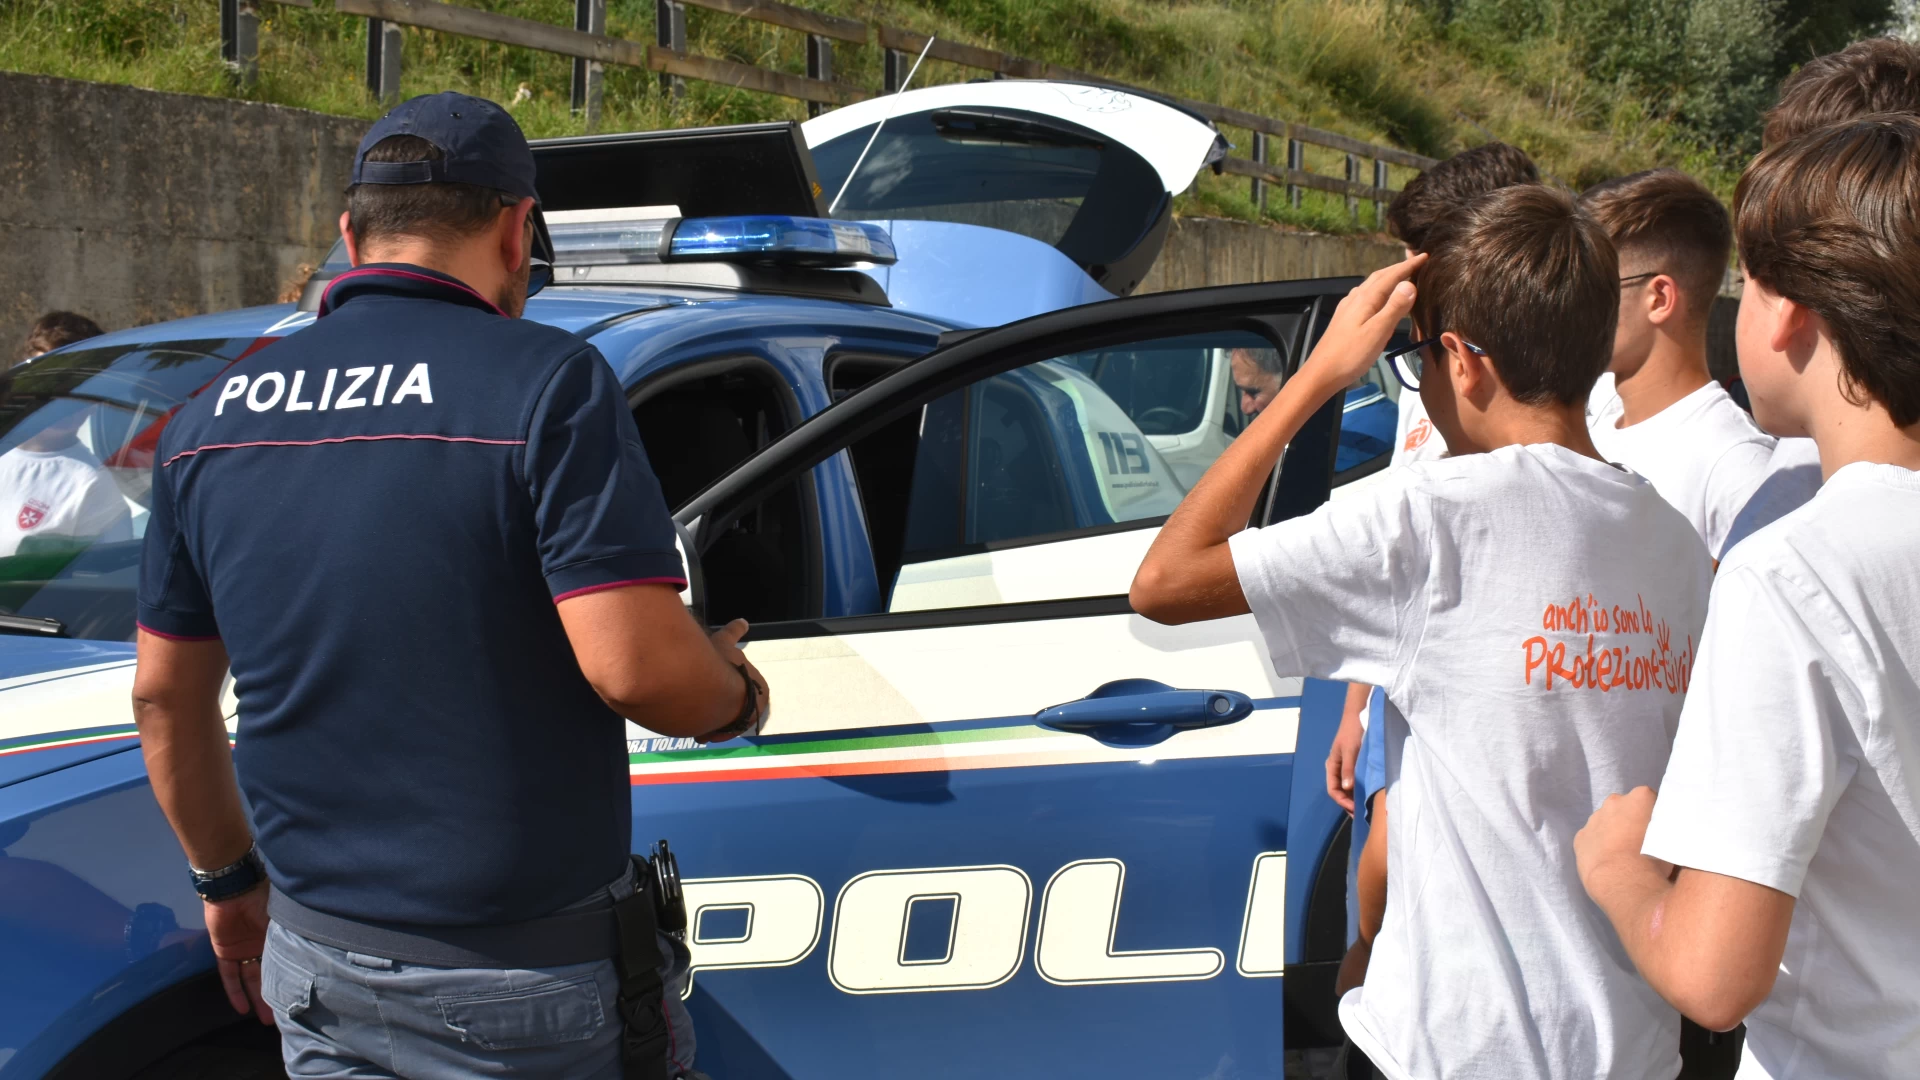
249	960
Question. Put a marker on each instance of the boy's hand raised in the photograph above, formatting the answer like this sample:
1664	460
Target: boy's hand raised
1362	325
1188	573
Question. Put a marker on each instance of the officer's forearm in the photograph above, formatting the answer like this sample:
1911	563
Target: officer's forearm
176	703
650	662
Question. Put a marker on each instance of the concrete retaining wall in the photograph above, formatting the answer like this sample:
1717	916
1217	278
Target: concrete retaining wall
131	206
1218	251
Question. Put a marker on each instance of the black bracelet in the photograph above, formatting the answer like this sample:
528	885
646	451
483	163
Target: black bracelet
749	712
750	706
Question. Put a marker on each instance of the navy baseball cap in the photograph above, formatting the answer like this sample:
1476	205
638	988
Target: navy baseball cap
479	143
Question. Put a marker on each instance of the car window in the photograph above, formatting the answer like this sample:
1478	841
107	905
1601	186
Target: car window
78	431
1085	444
1059	183
1369	419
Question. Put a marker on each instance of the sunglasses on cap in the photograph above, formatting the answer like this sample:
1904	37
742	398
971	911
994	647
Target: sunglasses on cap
1406	361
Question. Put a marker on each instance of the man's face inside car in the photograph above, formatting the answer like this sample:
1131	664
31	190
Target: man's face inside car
1256	378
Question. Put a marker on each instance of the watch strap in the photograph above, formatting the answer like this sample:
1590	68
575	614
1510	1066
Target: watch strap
231	880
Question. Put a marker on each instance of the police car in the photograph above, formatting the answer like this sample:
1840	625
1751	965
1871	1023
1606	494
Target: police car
998	825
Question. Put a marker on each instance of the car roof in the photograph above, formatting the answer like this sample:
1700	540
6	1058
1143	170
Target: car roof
606	315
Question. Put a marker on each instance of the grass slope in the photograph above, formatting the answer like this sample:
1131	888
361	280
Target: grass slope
1368	68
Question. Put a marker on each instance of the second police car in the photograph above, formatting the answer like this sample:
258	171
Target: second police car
999	825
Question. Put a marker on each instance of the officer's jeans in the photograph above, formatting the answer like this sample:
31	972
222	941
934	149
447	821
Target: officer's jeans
345	1014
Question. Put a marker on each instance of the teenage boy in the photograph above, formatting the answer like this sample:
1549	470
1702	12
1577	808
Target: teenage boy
1668	420
1776	874
1356	770
1530	612
1878	75
1414	212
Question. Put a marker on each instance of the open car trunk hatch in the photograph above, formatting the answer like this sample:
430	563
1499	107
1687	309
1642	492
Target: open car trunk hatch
1087	170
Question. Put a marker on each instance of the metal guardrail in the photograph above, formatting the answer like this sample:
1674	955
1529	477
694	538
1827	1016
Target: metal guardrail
668	56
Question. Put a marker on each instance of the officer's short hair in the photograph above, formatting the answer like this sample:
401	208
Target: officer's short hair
434	211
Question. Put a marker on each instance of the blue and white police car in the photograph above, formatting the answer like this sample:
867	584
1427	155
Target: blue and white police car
887	368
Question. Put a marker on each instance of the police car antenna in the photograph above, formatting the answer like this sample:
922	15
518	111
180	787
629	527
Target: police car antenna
908	81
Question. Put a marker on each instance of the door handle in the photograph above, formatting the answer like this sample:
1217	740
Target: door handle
1140	712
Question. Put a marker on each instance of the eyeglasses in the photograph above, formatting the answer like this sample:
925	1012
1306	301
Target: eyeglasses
1406	362
1630	278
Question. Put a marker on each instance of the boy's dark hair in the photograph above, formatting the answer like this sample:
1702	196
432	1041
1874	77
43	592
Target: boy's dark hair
436	211
1878	75
1451	185
1831	221
57	328
1525	274
1672	223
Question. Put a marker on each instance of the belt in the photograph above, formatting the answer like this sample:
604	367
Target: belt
581	933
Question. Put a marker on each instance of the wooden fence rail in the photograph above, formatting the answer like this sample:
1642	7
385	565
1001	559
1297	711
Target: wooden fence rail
670	58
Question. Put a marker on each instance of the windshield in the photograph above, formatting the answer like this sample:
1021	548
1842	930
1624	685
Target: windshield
1023	172
78	430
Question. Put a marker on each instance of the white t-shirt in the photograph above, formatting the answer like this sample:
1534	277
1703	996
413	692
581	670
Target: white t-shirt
1414	436
58	495
1797	767
1703	454
1793	475
1531	615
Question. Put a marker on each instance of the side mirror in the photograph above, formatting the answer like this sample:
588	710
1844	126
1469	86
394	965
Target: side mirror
694	596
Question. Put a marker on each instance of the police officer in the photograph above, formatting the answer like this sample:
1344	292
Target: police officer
424	535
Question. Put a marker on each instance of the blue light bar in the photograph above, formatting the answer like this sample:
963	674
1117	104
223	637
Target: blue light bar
791	241
767	239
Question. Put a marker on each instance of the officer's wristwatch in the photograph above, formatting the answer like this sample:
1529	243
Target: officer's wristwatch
231	880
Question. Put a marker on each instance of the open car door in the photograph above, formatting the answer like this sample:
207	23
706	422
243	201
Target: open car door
1003	825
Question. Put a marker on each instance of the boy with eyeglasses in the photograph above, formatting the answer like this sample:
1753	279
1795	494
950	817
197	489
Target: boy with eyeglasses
1356	775
1530	612
1774	878
1667	419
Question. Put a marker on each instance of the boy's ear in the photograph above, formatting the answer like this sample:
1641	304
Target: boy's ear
1663	299
1790	325
1469	372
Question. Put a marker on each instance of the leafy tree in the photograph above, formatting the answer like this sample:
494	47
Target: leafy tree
1711	65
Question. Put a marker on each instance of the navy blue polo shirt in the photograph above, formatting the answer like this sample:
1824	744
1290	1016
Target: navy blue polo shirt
378	516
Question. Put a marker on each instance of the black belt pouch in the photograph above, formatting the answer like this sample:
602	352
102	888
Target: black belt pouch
644	1037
